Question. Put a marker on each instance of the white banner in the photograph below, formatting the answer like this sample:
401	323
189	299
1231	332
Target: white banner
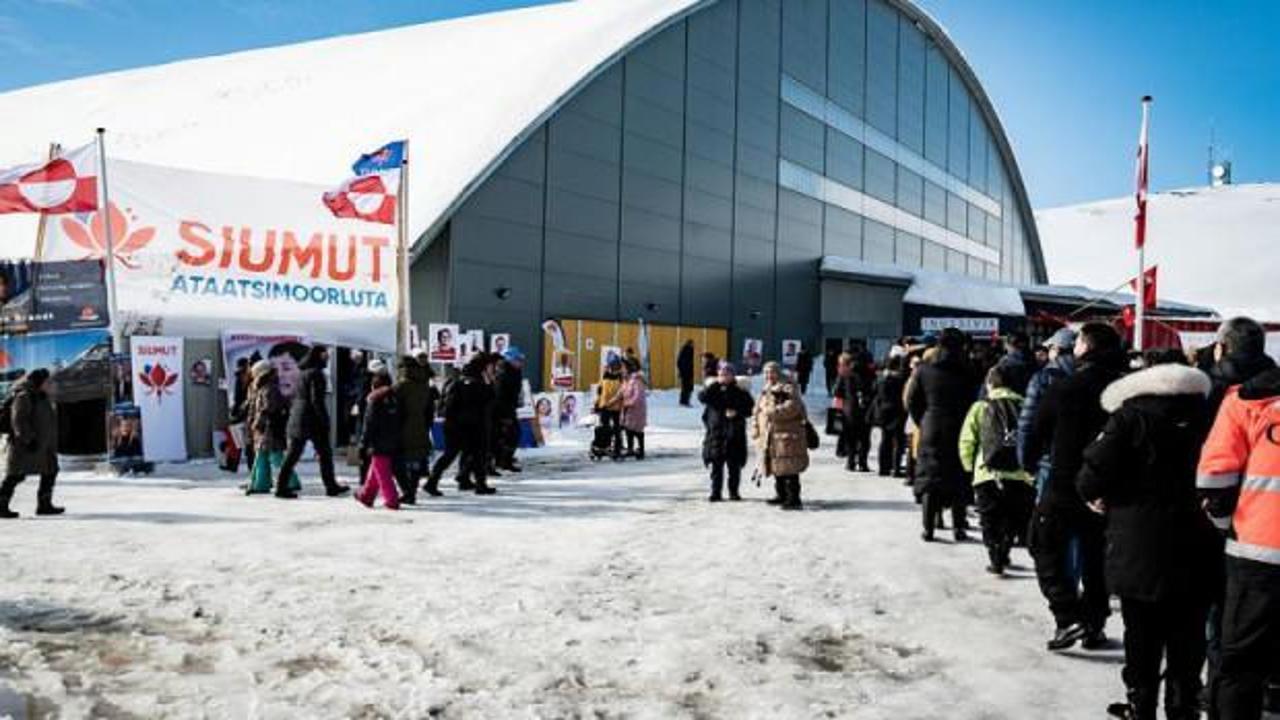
196	252
157	391
971	325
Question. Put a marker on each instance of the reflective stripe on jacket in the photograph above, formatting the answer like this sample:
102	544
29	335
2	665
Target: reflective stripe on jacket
1243	454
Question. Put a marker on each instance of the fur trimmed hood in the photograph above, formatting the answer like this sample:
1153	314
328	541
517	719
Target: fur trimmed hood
1158	380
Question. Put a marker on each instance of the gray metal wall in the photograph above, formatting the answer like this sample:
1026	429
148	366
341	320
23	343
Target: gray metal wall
656	191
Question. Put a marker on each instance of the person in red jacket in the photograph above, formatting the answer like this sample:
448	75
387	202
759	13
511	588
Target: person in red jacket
1239	483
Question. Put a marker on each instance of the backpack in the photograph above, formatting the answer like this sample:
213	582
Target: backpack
998	432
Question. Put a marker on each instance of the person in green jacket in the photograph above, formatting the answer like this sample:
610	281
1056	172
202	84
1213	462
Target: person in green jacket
1005	493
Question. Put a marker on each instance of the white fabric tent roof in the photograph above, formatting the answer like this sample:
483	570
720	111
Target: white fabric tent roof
462	91
1215	246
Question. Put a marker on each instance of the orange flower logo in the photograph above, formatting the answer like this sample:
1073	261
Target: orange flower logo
93	238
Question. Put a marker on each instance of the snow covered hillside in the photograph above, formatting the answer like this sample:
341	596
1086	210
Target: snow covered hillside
582	590
1215	246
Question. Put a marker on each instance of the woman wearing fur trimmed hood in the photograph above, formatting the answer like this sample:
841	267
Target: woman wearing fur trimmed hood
1141	472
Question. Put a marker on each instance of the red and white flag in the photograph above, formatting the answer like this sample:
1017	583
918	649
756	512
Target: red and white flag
65	184
1148	287
1140	194
371	194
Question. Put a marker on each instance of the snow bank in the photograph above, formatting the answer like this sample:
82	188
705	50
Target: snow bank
1214	246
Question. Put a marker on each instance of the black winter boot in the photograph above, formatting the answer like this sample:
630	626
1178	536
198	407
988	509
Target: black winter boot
792	501
44	497
432	486
779	493
1140	706
6	495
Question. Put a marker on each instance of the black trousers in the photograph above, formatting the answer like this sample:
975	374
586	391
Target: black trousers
893	444
686	388
506	438
44	492
856	435
635	439
1004	507
1250	638
718	468
293	453
1050	544
611	420
1171	630
409	471
474	463
932	503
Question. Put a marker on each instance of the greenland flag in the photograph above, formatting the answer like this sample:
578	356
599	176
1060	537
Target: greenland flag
65	184
371	194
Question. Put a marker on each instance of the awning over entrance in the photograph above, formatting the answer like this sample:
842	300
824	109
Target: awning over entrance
931	288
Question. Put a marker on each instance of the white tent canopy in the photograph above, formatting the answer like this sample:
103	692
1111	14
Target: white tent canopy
462	91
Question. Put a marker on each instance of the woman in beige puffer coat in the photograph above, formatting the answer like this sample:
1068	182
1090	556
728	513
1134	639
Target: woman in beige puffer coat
778	429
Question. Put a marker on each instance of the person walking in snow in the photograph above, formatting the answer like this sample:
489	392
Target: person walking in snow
854	396
635	411
467	402
989	450
684	365
887	413
726	409
309	422
608	405
508	384
804	369
1070	416
938	398
380	443
31	443
416	398
778	426
1160	548
266	416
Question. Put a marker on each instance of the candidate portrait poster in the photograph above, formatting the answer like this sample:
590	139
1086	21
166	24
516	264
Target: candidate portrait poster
790	353
197	252
443	343
285	351
499	342
157	391
752	355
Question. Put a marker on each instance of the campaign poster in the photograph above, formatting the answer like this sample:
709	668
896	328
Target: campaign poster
570	409
476	339
158	367
499	342
126	432
752	355
545	418
286	352
442	343
197	252
201	372
415	339
562	375
40	297
79	362
609	354
790	353
122	377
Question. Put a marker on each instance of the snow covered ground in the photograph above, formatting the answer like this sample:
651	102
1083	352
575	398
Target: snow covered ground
582	590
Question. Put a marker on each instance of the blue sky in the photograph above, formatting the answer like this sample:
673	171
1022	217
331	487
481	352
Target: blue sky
1065	75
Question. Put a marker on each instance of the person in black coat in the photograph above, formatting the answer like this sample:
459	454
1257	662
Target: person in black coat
309	422
724	446
710	365
888	414
1160	546
804	369
938	401
854	393
1070	416
684	365
508	386
467	406
1017	364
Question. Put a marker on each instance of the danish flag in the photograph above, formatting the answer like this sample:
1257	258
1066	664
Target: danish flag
371	194
66	184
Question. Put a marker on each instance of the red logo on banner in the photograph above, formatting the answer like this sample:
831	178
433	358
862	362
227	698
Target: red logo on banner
93	238
158	380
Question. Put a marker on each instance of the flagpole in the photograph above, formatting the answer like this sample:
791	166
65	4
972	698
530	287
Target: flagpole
1140	231
402	256
104	212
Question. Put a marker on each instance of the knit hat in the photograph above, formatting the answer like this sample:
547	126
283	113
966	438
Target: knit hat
260	369
1065	339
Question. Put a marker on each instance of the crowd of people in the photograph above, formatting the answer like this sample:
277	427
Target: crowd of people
1154	478
1148	477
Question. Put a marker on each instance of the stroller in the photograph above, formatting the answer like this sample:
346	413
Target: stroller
602	443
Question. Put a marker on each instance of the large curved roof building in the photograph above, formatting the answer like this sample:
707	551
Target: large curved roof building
737	168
